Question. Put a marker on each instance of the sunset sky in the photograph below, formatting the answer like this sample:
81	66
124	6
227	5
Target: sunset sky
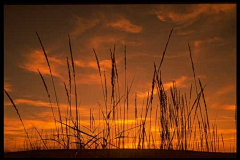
210	29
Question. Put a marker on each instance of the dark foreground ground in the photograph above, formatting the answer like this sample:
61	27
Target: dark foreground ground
119	153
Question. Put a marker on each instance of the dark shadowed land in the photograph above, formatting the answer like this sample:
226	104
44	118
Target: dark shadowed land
117	153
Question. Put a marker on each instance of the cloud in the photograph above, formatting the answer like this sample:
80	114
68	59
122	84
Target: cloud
225	90
229	107
158	56
199	43
16	127
36	103
104	64
185	19
131	43
160	15
98	42
223	119
178	82
177	18
94	77
104	42
89	79
36	60
184	33
8	86
176	55
46	114
216	8
125	25
83	24
226	131
29	102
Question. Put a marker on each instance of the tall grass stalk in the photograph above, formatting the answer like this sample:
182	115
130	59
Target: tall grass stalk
15	107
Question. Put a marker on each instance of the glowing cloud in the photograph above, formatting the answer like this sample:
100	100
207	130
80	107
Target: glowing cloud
8	86
229	107
101	41
105	64
125	25
210	40
225	90
189	18
28	102
36	60
178	82
90	79
184	33
83	24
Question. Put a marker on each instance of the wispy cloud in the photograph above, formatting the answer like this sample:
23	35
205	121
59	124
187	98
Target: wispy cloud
186	19
226	131
216	8
36	60
90	79
223	119
8	86
229	107
28	102
199	43
184	33
178	82
225	90
105	64
157	56
83	24
36	103
125	25
221	92
103	41
46	113
184	54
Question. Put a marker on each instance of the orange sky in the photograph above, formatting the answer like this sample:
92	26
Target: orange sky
210	29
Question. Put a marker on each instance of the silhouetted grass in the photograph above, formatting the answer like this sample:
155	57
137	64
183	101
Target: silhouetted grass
179	123
15	107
